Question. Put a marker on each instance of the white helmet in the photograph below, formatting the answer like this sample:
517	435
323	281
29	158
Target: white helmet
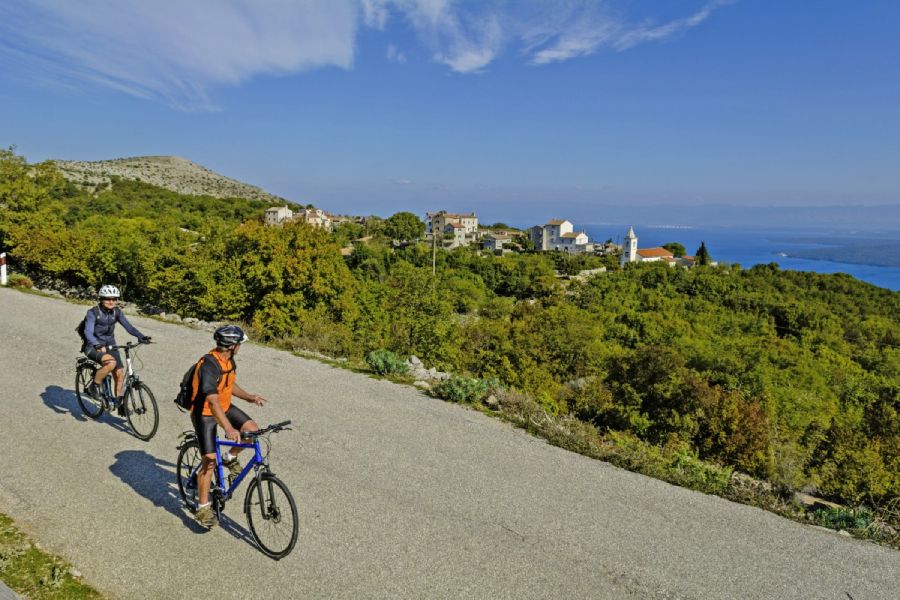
109	291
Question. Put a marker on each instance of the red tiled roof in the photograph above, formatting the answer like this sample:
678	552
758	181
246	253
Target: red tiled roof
654	253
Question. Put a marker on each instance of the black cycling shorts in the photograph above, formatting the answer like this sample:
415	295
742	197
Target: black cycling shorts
97	356
205	427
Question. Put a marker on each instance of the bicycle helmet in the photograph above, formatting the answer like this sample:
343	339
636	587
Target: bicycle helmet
229	335
109	291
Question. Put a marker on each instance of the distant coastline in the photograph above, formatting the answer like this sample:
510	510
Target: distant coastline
882	255
871	256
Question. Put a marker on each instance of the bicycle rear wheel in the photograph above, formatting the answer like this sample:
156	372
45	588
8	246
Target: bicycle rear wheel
272	515
186	472
84	377
141	411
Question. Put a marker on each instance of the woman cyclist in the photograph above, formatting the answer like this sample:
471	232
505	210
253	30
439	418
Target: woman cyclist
99	339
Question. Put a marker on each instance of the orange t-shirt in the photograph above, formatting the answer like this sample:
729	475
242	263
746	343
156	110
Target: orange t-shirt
217	378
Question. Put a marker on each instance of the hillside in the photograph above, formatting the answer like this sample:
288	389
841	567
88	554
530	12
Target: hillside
170	172
688	375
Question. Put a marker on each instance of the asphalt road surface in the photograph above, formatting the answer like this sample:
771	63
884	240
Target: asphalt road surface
400	495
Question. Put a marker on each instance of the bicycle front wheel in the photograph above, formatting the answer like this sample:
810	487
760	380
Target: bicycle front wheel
272	515
141	411
84	377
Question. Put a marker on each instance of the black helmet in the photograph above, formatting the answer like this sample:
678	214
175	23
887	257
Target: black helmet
229	335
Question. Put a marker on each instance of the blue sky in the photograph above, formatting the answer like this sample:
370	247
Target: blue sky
520	110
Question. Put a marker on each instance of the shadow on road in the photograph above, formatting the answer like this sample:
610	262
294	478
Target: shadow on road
154	479
64	402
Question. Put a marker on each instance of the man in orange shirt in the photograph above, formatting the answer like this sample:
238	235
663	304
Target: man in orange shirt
214	386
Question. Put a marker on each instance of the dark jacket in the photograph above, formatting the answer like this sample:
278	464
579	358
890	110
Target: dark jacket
100	324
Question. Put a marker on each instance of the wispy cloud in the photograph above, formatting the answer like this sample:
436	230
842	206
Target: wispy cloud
177	51
174	50
395	55
590	30
468	36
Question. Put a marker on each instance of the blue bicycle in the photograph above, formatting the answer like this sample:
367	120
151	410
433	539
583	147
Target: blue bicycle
268	504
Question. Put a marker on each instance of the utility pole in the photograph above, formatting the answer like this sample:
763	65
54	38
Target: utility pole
2	268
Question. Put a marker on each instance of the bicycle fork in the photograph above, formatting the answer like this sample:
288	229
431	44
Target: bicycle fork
268	509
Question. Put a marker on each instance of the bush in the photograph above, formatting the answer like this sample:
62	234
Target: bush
673	463
844	518
385	362
20	281
466	389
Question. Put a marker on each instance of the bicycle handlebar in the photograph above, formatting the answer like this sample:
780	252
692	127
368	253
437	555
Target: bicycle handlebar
128	345
276	427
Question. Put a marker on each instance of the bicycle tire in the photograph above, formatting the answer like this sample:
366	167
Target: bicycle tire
141	411
266	517
90	406
188	462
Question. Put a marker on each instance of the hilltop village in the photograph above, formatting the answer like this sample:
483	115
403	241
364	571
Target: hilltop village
448	230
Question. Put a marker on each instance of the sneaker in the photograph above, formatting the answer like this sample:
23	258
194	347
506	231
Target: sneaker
206	517
93	390
234	467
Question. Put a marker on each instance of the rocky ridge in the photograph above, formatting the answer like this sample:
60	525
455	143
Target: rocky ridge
170	172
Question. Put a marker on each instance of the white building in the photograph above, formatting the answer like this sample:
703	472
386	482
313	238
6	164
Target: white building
493	242
438	221
558	234
629	248
278	214
454	235
315	217
455	229
631	253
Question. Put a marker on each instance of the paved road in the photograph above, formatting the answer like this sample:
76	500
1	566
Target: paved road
401	496
6	593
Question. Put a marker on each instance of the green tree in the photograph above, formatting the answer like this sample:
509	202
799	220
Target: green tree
675	248
702	254
404	226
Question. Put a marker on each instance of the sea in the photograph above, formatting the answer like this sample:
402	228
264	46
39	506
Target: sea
749	247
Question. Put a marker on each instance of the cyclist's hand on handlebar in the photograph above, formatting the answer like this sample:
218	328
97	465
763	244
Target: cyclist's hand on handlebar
232	435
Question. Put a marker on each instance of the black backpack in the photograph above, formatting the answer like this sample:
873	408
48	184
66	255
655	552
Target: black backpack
186	396
80	329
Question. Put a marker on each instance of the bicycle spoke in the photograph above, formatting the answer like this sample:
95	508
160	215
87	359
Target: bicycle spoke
186	473
273	521
142	413
90	406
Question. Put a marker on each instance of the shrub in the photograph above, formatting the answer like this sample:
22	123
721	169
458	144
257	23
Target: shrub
689	471
385	362
844	518
21	281
466	389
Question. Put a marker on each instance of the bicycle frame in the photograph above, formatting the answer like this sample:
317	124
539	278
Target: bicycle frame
253	462
130	375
